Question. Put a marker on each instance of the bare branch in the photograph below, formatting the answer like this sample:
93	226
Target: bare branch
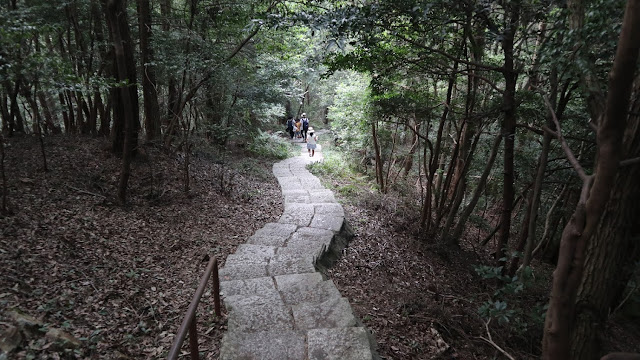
628	162
490	341
449	56
572	158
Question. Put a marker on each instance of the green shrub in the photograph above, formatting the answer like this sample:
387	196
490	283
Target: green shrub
505	306
270	146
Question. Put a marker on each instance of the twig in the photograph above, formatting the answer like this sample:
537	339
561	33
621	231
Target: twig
86	192
490	341
572	159
630	161
625	299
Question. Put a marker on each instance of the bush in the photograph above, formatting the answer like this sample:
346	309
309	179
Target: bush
270	146
505	305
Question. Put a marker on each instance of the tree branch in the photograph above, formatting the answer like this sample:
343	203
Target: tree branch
628	162
572	158
490	341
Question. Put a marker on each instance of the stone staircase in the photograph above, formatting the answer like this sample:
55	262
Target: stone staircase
280	306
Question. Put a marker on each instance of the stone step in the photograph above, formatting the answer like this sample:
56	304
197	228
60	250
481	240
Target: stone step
242	271
328	222
339	344
262	250
334	312
266	345
263	286
322	196
298	214
285	264
305	288
249	314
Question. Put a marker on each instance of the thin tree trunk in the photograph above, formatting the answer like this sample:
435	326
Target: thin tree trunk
376	147
124	109
435	152
116	13
468	210
150	95
50	118
508	129
5	207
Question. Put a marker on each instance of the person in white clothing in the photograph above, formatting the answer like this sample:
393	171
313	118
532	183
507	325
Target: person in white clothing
312	139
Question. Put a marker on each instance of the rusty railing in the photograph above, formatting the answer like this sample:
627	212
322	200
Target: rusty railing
189	322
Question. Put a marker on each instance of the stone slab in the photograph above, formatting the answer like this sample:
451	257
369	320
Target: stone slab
329	209
328	222
234	260
257	250
250	314
305	288
284	264
314	250
268	240
239	272
332	313
268	345
293	184
305	234
296	199
296	196
276	229
339	344
322	196
298	214
263	287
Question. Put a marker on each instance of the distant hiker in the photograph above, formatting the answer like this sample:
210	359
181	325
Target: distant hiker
305	126
290	124
311	142
298	126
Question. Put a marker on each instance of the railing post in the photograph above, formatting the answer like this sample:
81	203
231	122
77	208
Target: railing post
193	339
216	289
189	322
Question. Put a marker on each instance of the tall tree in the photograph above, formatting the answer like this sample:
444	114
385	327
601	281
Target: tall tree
149	84
125	95
589	240
126	120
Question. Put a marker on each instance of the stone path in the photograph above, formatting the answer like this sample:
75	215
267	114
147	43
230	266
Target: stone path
280	307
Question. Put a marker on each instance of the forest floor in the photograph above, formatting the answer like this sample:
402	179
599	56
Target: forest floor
114	282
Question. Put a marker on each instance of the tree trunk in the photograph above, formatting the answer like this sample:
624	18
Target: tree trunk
468	210
116	15
376	147
150	95
508	130
50	118
599	190
5	208
125	103
425	218
610	255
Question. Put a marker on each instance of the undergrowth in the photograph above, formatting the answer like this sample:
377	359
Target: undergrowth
270	146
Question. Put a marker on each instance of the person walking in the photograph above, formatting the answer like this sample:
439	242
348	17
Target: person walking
290	124
311	142
305	126
298	126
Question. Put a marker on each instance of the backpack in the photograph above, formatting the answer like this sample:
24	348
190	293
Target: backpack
290	124
305	124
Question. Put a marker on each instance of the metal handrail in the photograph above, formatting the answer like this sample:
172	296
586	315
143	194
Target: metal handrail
189	322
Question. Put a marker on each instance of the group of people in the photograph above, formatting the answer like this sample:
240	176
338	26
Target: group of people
300	129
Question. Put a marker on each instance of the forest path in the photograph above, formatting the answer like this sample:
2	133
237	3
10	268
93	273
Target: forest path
280	306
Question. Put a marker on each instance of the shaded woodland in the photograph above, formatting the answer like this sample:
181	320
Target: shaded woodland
510	129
